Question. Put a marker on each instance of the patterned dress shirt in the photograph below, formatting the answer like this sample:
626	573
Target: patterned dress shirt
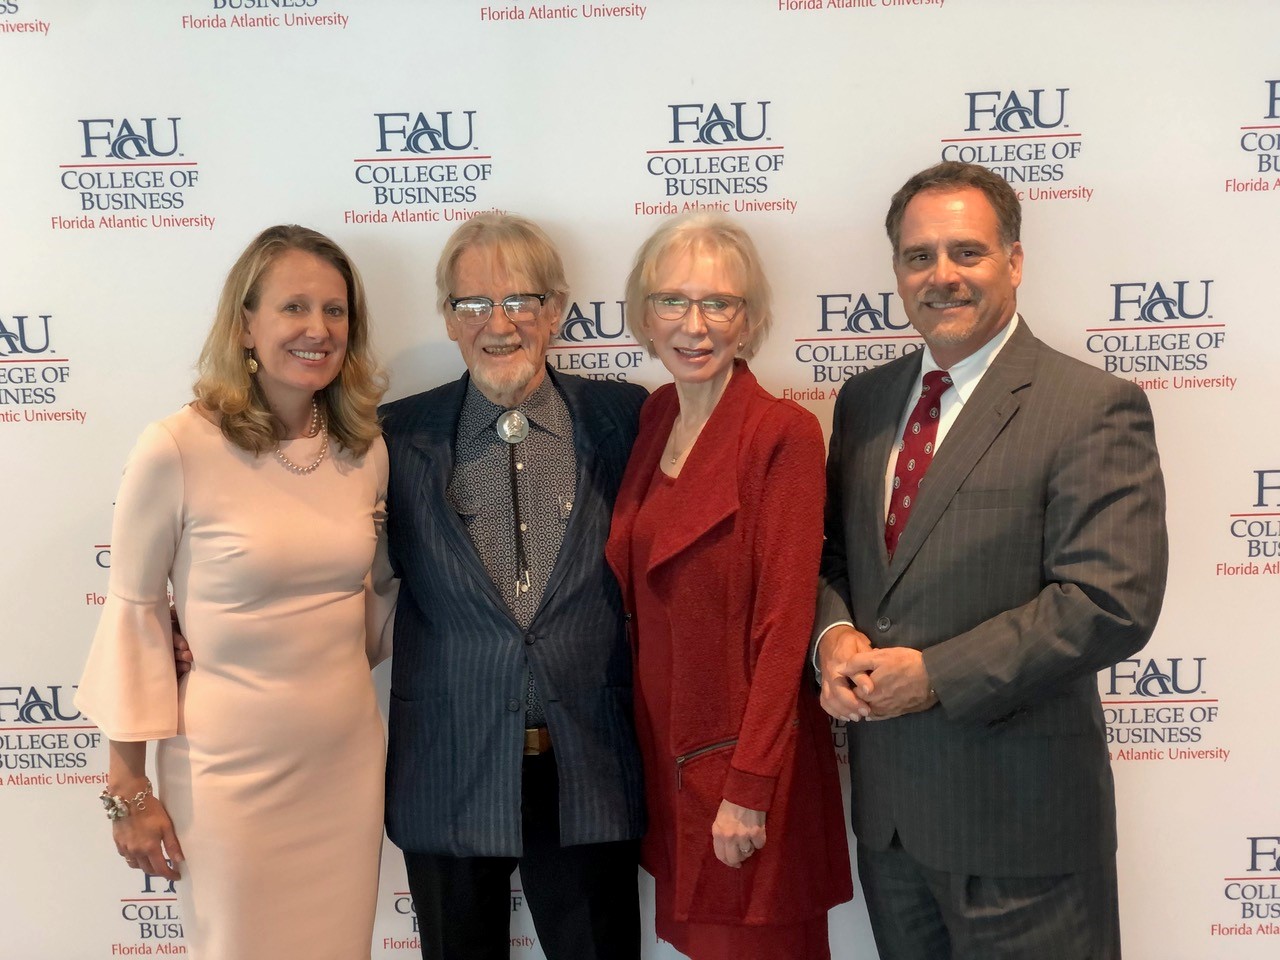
545	477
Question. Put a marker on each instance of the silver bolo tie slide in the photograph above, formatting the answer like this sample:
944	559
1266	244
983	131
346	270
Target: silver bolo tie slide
513	426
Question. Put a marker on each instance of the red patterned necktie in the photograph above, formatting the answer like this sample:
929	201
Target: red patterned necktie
915	451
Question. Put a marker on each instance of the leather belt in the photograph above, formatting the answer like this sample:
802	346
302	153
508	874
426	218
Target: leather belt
537	740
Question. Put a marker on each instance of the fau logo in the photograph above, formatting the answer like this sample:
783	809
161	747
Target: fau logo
18	334
600	322
131	140
1161	302
1273	99
1156	678
36	705
869	313
716	126
1268	482
1264	855
423	135
1015	112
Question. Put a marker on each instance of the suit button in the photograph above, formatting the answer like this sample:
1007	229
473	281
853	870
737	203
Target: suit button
513	705
883	624
530	639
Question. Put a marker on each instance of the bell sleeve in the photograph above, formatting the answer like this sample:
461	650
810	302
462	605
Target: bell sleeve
130	687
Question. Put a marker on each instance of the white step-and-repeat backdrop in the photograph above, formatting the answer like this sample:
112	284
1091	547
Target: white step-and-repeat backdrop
144	143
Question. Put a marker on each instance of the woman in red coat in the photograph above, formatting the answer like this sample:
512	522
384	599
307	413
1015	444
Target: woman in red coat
716	536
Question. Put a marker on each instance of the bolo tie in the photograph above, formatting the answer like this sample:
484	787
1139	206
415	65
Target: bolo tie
512	427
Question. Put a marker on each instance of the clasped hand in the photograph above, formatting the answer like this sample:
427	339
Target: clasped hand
861	682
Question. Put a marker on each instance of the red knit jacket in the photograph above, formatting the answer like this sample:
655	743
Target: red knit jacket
738	577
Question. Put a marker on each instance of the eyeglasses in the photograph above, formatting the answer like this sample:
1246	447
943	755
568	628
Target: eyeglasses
519	307
673	306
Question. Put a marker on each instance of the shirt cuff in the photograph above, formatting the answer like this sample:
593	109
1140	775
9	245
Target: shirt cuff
817	671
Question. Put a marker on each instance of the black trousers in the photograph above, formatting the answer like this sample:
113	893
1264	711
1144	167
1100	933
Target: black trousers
584	899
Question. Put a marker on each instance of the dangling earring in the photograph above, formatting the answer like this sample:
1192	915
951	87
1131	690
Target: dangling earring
250	363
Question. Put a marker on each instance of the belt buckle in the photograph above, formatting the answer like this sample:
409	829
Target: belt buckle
537	741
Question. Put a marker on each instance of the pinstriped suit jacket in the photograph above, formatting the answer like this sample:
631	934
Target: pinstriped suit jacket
1035	556
456	723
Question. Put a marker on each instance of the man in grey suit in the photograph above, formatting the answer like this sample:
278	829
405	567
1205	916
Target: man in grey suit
962	618
510	731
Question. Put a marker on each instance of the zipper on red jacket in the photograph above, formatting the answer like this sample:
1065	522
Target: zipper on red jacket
694	754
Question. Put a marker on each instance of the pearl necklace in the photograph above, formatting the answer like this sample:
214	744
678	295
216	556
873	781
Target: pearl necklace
317	425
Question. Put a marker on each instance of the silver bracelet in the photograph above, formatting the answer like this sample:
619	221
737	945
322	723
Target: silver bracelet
118	807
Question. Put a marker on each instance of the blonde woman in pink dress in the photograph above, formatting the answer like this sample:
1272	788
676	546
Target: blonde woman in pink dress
260	504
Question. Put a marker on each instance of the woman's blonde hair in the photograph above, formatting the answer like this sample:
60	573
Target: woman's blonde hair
349	402
710	233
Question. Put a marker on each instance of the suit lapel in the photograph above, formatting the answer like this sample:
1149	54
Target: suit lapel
659	411
878	439
981	420
432	441
591	429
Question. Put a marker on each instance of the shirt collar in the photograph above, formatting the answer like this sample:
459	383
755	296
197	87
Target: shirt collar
966	374
545	409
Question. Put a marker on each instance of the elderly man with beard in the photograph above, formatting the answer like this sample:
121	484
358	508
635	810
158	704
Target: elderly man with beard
511	734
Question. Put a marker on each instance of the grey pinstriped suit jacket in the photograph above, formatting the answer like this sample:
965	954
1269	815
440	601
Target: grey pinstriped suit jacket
457	677
1035	556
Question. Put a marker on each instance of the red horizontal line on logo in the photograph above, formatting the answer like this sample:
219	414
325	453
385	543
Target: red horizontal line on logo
1250	878
892	336
713	149
1264	126
589	346
39	360
1012	136
148	899
27	727
1157	326
420	159
1152	700
1253	514
157	163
